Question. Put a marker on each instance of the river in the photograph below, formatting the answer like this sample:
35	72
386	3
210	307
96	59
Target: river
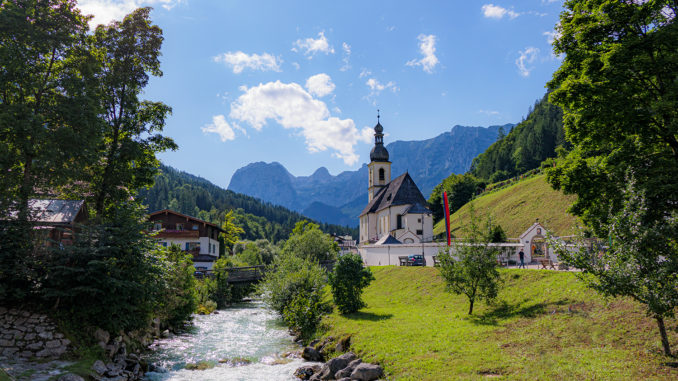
243	342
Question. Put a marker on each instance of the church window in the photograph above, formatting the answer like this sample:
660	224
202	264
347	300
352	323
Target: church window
420	232
381	174
399	221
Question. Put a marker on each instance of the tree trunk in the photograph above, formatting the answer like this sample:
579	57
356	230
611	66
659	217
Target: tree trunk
662	332
470	307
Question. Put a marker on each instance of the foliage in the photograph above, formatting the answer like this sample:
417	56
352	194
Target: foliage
295	291
231	233
460	190
543	325
347	281
524	148
261	251
641	262
205	291
48	114
130	50
226	293
178	300
472	270
496	234
308	242
110	277
198	197
617	86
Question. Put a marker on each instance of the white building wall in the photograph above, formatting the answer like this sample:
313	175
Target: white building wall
385	255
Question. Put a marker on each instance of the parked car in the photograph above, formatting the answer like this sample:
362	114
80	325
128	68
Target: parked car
416	260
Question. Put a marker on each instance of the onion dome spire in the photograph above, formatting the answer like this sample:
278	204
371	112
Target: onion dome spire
379	152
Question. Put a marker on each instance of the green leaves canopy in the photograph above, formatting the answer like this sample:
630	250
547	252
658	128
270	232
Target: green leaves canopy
618	89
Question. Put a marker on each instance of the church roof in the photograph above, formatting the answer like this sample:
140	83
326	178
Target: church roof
388	240
418	209
401	191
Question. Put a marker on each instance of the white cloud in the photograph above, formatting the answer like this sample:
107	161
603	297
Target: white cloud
220	127
347	57
364	73
240	61
320	85
551	36
296	65
526	59
105	11
496	12
289	105
376	87
311	46
427	47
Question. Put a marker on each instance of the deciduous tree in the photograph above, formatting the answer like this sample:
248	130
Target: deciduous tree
618	90
130	51
470	269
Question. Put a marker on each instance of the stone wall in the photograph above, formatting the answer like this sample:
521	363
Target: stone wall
27	334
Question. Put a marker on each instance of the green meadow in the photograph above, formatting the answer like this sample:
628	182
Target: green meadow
545	325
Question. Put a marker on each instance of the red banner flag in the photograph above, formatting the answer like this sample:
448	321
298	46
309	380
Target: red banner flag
447	218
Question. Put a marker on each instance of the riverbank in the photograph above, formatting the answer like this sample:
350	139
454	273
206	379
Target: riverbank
544	325
243	342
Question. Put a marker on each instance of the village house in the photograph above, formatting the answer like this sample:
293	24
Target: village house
55	222
193	235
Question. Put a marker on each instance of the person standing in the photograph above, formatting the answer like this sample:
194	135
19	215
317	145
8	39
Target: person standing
521	255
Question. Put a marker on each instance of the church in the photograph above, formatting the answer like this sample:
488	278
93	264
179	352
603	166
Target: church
396	212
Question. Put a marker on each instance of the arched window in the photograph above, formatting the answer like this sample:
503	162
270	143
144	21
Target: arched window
381	174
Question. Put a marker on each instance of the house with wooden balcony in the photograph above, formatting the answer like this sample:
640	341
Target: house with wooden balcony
193	235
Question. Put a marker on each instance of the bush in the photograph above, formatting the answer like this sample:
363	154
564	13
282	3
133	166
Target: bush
178	300
295	291
307	241
347	281
111	277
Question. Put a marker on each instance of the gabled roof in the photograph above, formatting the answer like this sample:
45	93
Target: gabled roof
531	228
388	240
417	209
401	191
53	212
169	211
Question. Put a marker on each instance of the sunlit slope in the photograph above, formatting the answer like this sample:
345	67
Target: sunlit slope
517	207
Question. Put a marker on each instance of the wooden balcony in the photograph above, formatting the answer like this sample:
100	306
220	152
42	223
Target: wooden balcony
178	234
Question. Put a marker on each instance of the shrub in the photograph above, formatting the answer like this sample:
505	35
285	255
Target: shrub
347	281
111	277
178	300
295	291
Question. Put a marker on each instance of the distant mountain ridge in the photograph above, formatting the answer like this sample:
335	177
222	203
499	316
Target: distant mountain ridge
338	199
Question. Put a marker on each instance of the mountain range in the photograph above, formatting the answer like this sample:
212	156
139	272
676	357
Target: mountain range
339	199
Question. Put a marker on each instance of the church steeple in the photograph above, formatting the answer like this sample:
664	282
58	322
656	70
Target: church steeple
379	152
379	167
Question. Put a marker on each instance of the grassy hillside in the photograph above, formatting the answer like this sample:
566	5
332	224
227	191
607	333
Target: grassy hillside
516	207
545	325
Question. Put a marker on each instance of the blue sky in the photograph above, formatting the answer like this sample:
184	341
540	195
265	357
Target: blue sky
300	82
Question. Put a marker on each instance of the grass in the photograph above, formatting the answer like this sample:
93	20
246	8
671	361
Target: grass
544	325
516	207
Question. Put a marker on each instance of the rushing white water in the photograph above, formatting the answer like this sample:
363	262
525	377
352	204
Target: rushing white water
245	331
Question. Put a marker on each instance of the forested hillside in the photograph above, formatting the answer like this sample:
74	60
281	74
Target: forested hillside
198	197
525	147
